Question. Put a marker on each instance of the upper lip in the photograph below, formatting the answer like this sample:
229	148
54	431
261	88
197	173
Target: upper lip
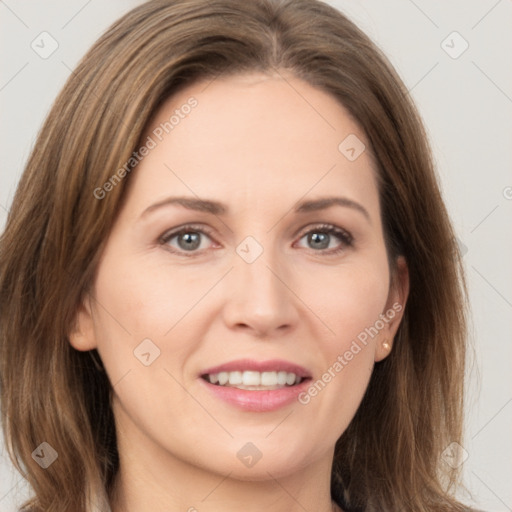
274	365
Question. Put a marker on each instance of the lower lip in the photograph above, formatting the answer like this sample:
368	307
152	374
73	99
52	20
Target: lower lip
258	400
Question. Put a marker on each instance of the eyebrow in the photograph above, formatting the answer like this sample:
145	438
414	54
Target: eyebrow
200	205
217	208
326	202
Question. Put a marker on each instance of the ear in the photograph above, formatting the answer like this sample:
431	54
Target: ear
81	335
394	310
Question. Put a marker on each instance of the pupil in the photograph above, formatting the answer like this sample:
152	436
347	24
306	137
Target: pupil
319	240
189	241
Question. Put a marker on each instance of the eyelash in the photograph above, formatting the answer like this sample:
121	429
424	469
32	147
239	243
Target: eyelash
344	236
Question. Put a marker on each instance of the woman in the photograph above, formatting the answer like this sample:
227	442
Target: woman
228	278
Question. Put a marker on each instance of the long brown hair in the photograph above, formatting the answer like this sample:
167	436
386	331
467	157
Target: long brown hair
389	458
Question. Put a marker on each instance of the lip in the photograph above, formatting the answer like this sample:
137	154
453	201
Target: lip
273	365
258	400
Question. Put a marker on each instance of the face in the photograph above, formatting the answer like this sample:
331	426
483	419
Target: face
249	249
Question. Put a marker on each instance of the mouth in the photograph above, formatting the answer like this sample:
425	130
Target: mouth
258	382
254	380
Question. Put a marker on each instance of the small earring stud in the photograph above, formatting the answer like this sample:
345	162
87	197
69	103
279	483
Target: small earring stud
386	345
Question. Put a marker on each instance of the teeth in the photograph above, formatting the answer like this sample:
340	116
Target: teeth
235	378
251	378
290	379
254	380
281	378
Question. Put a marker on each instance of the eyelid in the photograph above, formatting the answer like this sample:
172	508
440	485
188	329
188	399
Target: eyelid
329	228
200	228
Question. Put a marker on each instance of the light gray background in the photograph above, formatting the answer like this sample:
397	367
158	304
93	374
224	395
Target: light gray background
466	103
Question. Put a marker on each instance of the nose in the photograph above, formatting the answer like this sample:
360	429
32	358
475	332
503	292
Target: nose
259	300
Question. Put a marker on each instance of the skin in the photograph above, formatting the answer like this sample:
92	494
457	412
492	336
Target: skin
258	144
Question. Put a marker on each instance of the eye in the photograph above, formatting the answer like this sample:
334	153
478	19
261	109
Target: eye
191	240
187	239
327	238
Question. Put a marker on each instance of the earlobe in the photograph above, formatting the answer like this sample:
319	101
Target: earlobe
382	350
81	335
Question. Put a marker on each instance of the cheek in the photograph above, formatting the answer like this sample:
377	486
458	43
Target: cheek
349	302
138	299
348	299
145	298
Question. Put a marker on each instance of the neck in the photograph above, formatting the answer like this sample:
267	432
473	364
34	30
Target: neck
132	496
151	478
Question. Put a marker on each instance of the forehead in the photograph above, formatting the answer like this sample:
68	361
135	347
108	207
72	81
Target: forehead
259	135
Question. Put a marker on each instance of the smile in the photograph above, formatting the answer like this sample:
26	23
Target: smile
256	386
253	380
